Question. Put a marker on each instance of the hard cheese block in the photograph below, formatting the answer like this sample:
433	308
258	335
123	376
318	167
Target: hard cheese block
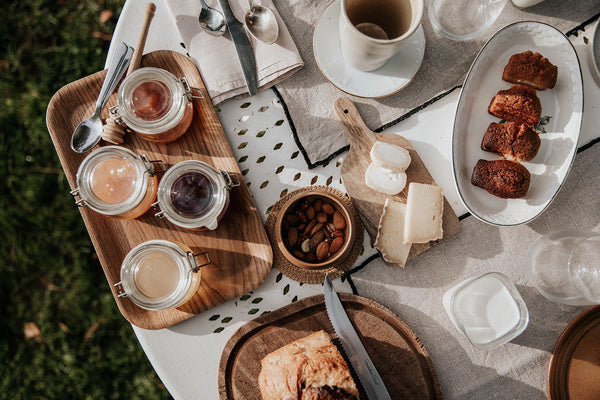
424	207
390	235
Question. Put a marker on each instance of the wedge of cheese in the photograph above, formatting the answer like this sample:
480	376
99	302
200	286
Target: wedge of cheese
385	180
424	208
390	156
390	234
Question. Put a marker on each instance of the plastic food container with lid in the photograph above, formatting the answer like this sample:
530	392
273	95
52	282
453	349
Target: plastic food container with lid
117	182
160	274
193	194
155	104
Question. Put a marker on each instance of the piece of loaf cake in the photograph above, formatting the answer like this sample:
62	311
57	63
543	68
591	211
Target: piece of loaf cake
502	178
531	69
424	208
390	234
511	141
518	104
310	368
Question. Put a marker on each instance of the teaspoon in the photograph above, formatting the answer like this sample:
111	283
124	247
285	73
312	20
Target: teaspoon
211	21
261	23
89	132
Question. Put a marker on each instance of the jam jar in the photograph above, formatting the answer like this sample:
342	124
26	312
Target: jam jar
160	274
194	195
115	181
155	104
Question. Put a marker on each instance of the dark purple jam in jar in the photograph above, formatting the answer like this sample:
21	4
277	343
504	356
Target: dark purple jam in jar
192	194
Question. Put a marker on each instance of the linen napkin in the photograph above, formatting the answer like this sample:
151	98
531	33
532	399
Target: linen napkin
217	59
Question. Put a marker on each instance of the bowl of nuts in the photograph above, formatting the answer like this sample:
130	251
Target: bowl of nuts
315	229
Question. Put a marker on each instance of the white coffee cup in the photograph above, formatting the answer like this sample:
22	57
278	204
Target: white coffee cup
372	31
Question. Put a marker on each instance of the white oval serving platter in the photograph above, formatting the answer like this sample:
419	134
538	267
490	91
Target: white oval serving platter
563	104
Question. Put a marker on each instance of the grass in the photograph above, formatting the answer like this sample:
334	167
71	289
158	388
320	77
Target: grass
61	334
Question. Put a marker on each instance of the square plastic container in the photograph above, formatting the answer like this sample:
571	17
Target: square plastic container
487	309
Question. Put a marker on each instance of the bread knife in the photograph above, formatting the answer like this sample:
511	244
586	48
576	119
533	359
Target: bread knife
355	351
243	47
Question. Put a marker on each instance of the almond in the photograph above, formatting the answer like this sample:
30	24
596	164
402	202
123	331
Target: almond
327	208
302	216
337	233
338	220
321	217
292	236
310	213
311	257
316	228
322	251
318	204
315	240
336	244
309	227
298	254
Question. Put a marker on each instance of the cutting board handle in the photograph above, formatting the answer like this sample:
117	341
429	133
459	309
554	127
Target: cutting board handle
355	127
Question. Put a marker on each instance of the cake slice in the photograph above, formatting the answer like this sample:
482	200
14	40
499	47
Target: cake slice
390	234
424	208
511	141
531	69
518	104
502	178
308	368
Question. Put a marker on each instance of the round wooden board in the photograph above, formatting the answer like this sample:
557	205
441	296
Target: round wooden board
401	359
574	370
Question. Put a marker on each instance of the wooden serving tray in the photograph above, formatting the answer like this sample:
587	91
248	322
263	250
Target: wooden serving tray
239	248
398	354
369	202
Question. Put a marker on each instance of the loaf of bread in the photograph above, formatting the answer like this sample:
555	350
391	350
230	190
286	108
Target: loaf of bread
310	368
531	69
511	141
502	178
518	104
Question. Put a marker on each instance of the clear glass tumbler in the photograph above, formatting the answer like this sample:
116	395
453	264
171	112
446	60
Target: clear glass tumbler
564	266
463	19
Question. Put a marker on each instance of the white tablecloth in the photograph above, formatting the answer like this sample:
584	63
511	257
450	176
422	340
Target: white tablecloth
186	356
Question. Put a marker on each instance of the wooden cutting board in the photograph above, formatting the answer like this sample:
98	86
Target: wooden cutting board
398	354
239	247
369	202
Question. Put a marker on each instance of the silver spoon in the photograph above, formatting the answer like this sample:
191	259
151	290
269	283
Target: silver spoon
261	23
88	132
211	21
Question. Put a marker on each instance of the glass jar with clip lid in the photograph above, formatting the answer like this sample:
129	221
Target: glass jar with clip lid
160	274
194	195
155	104
117	182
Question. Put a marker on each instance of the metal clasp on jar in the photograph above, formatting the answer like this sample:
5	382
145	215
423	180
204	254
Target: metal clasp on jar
188	90
151	165
194	261
79	202
229	181
119	289
114	113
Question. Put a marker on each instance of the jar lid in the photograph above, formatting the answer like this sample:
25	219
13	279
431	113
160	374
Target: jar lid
151	100
112	180
192	194
157	274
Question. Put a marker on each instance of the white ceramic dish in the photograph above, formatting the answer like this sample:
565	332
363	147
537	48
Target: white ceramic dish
564	104
385	81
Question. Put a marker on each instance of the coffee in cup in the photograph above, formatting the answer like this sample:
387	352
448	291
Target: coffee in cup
372	31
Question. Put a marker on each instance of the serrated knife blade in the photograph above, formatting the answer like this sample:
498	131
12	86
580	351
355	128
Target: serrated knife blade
355	351
243	47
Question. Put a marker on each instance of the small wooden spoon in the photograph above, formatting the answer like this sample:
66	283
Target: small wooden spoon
113	132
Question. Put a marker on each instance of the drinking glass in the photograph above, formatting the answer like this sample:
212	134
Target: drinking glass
564	266
463	19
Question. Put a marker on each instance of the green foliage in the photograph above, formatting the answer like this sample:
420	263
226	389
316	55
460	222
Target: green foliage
51	278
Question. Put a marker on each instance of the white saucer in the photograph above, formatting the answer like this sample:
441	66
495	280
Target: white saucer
387	80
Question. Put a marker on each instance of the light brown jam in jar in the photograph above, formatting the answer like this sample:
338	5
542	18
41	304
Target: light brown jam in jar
117	182
155	104
160	274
